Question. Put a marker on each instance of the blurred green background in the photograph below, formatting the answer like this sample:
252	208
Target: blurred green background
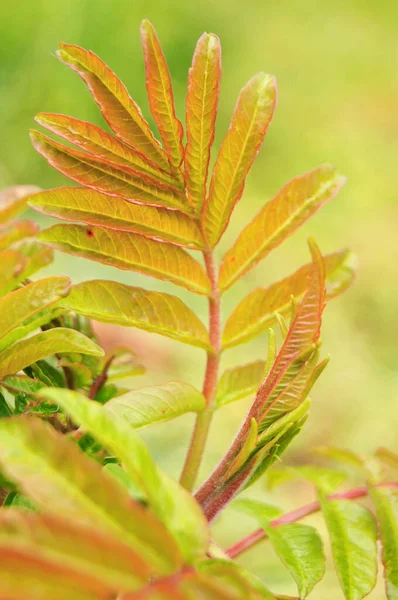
336	66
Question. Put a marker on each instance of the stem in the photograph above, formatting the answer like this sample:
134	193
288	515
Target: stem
295	515
203	420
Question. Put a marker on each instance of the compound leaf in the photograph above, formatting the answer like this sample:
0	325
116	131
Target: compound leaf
293	205
131	252
250	120
201	110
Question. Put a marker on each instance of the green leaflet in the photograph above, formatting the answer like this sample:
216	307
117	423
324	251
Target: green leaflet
239	382
26	352
353	537
157	312
298	546
151	405
386	504
170	502
26	309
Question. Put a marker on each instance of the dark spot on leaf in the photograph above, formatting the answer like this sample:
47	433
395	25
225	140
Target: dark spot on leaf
89	232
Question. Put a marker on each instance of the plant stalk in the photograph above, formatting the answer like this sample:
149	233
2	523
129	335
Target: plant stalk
203	420
258	535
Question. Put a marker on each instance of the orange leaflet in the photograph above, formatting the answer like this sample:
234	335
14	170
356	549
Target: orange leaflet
160	95
304	331
94	208
292	206
96	141
117	107
107	177
250	120
15	231
257	311
201	110
131	252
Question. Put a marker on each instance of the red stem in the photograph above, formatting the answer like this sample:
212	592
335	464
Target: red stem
203	420
295	515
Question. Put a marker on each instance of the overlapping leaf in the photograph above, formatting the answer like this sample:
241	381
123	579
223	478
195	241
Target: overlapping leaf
160	95
13	201
15	231
59	340
82	550
94	208
98	142
170	502
157	312
292	206
386	504
131	252
257	311
151	405
117	107
201	110
108	177
353	538
298	546
19	308
61	480
12	265
239	382
250	120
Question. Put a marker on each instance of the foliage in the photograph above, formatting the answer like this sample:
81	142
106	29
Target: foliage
101	519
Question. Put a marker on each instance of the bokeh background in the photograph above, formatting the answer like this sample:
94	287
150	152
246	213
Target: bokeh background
336	66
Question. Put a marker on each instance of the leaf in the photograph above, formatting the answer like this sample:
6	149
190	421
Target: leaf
17	384
298	546
386	504
98	142
239	382
13	201
232	573
12	265
64	543
61	480
15	231
37	255
157	312
117	107
304	331
250	120
388	457
21	306
173	505
29	351
292	206
256	313
94	208
151	405
104	176
123	364
160	95
26	576
353	538
342	455
201	110
130	252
